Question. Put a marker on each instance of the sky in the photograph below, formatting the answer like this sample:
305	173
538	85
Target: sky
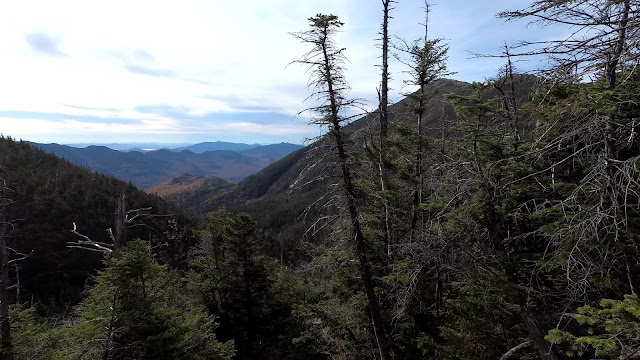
188	71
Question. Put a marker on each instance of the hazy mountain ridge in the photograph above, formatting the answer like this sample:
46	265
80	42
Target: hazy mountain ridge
147	169
215	146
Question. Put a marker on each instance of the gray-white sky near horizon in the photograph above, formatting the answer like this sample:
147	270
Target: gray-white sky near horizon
81	71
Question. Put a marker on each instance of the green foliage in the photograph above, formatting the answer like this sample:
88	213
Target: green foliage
481	322
608	331
139	309
251	293
49	194
334	311
34	337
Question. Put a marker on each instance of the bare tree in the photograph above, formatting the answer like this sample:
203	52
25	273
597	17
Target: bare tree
5	324
383	109
123	218
603	40
329	87
603	46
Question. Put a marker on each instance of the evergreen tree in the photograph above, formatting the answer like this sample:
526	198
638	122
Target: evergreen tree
139	309
249	292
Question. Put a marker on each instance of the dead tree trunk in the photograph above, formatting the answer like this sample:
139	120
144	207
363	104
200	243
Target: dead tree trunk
360	242
121	224
384	126
6	345
536	333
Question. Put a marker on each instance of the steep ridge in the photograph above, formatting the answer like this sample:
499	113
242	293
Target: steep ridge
278	195
215	146
188	190
271	153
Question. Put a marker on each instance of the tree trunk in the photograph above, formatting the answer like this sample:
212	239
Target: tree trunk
106	355
514	351
614	59
536	333
121	225
5	324
384	126
361	247
633	273
418	182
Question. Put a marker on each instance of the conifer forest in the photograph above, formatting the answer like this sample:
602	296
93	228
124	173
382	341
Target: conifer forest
485	220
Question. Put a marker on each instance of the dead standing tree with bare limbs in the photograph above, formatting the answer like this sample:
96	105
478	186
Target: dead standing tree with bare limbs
123	220
6	225
329	87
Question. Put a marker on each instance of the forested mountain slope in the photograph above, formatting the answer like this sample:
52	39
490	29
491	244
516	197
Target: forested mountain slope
296	181
189	190
48	195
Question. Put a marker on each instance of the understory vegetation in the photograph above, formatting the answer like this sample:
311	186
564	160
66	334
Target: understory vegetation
506	226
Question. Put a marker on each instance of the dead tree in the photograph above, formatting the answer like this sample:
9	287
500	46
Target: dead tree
123	219
383	110
329	86
603	44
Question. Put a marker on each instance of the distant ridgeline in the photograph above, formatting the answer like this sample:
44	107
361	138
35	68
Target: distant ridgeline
48	195
145	169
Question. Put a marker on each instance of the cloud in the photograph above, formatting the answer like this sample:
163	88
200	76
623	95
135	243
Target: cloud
214	65
80	107
248	114
143	55
44	44
144	70
61	117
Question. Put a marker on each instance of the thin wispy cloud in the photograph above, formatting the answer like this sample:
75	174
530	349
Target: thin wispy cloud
214	65
144	70
44	44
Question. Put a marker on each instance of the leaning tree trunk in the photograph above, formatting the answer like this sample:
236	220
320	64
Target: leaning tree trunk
380	335
536	333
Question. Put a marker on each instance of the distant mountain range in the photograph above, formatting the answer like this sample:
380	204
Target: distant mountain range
146	169
151	146
221	145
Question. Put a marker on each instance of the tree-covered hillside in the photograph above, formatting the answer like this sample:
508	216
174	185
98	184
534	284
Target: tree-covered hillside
48	196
